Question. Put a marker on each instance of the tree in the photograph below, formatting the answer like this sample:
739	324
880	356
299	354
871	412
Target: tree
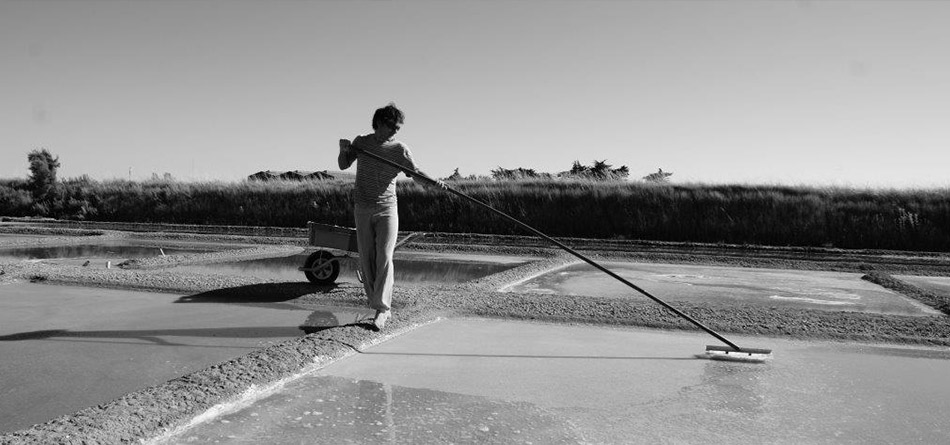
455	176
166	177
660	176
579	169
504	174
600	170
43	168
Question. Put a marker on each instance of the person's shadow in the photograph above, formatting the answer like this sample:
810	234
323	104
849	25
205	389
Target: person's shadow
336	310
323	319
155	337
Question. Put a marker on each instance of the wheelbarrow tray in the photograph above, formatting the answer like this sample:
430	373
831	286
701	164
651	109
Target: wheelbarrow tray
332	237
322	267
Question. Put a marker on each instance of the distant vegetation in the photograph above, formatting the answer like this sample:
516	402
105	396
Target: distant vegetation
659	176
585	202
598	171
735	214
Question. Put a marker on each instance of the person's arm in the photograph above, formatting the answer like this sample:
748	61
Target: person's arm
438	183
409	162
347	155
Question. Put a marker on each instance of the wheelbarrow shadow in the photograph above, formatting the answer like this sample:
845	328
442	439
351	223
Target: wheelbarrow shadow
271	295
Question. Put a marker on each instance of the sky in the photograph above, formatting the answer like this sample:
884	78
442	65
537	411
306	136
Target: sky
817	93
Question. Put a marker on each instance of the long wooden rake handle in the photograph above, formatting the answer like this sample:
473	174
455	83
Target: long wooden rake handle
417	174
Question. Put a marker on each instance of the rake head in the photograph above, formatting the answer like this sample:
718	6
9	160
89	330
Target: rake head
754	355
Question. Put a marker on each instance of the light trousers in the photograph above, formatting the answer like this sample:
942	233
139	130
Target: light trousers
376	230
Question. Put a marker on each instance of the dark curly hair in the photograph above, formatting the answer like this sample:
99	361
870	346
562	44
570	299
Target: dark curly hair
389	115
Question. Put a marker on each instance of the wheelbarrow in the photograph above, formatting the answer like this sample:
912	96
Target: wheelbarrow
323	266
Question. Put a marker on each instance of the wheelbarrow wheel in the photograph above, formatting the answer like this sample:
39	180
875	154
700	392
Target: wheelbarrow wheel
326	275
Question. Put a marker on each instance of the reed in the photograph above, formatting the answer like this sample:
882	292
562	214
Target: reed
735	214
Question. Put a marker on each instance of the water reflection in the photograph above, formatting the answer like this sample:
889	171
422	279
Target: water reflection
408	271
329	409
734	387
92	251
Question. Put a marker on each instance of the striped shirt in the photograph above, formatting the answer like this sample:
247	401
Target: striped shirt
376	181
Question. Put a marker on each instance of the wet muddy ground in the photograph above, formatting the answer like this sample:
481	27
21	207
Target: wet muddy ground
151	411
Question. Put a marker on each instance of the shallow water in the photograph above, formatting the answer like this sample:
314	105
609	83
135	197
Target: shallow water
103	250
64	348
409	271
937	285
832	291
341	410
15	236
527	382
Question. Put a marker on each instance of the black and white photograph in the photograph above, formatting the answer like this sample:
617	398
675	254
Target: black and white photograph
474	222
